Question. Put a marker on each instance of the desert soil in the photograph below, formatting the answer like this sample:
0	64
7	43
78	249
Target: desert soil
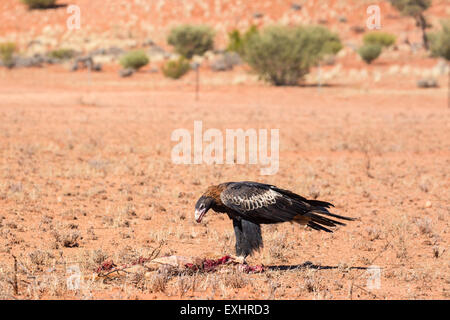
89	161
86	174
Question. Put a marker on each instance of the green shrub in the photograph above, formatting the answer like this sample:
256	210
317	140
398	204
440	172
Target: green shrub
6	53
383	39
236	41
440	42
190	40
62	54
39	4
283	55
175	69
134	59
369	52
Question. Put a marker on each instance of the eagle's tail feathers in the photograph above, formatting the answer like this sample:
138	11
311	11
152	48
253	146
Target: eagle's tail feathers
322	220
314	220
318	203
328	213
316	226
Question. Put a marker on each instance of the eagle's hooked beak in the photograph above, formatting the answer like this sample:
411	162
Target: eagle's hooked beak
199	213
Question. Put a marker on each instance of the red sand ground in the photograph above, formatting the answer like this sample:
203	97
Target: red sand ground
90	155
96	160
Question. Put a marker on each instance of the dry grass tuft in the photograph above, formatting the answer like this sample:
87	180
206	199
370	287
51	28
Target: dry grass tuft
66	238
235	279
91	259
158	282
373	233
279	247
40	259
425	226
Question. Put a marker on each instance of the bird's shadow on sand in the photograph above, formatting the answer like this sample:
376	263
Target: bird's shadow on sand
307	265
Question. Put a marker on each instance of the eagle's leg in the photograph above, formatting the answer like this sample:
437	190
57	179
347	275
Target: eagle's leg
248	238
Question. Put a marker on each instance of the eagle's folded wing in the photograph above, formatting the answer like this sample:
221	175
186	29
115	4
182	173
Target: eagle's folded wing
263	203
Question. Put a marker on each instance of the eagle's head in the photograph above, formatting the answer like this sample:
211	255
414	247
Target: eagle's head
202	206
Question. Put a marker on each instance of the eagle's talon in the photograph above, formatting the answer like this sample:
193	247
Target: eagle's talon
239	259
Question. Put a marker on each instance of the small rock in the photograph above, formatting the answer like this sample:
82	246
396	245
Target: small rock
220	65
296	7
427	83
97	67
98	52
115	51
226	62
148	43
257	15
85	61
194	65
352	46
156	50
358	29
428	204
26	62
128	72
74	67
50	60
233	58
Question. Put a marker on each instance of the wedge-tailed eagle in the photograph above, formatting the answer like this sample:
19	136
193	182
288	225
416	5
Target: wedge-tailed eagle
250	204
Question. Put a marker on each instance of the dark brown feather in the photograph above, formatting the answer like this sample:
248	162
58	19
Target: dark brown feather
214	192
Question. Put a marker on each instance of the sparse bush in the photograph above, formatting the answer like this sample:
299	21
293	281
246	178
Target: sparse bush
189	40
134	60
369	52
236	41
440	45
62	54
39	4
284	55
40	258
6	53
175	69
415	9
383	39
440	42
